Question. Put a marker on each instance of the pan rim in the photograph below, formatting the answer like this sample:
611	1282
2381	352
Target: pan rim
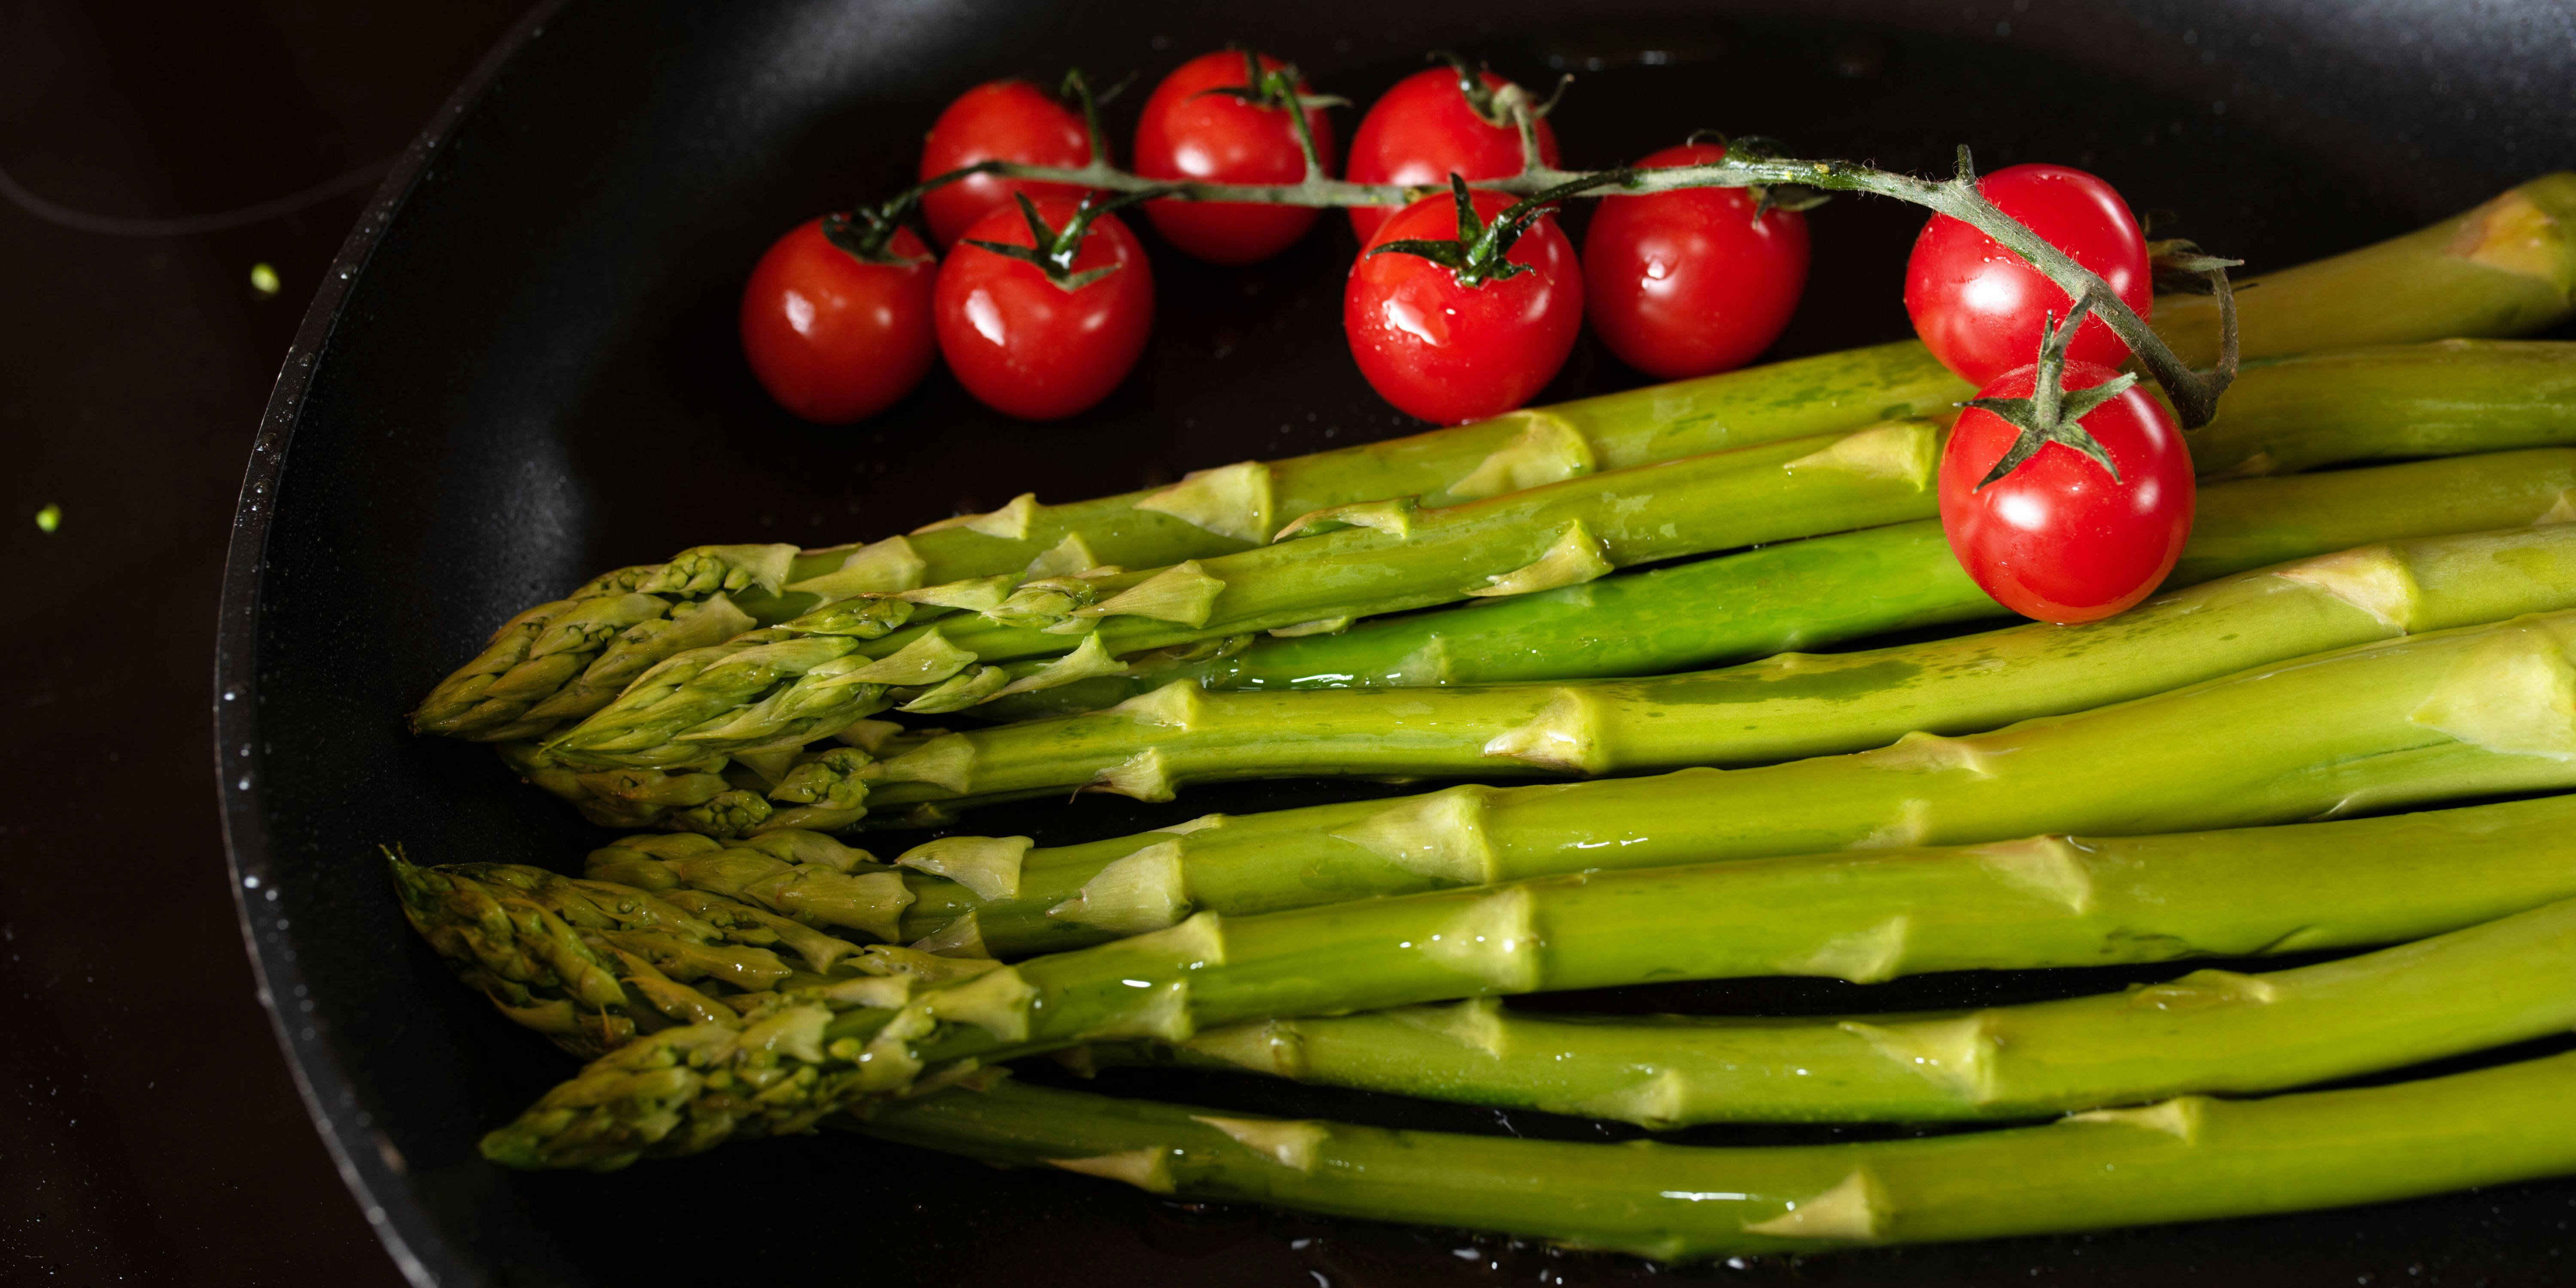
369	1168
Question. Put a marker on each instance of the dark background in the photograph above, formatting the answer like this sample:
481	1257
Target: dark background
150	1132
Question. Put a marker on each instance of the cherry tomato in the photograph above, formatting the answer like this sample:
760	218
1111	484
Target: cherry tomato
1004	120
2058	538
1688	283
1188	133
1452	353
1425	130
1979	307
1027	347
833	337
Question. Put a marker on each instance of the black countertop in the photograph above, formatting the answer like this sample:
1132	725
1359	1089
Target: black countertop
154	1135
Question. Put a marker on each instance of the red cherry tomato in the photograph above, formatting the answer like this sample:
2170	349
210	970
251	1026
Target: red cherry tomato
1188	133
2058	538
1452	353
1005	120
833	337
1688	283
1979	307
1423	131
1027	347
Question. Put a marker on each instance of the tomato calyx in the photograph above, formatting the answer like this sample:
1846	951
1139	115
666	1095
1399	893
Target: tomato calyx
1057	248
1276	90
1480	254
2052	412
1501	107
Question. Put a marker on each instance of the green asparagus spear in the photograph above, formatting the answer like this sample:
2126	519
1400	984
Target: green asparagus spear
2390	402
2490	985
1783	707
2507	267
2502	269
1804	594
2189	1159
2045	902
2437	716
788	685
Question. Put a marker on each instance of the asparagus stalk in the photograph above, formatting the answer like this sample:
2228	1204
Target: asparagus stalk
2506	981
2187	1159
792	1057
2507	267
2502	269
2436	716
788	685
1784	707
1824	590
2391	402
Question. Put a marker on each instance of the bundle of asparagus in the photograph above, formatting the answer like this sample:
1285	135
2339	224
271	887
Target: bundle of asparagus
767	694
785	686
1889	817
2096	900
801	1052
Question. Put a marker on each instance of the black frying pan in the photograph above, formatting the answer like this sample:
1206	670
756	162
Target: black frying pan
522	371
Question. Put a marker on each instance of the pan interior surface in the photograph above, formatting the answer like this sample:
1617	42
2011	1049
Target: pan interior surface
530	375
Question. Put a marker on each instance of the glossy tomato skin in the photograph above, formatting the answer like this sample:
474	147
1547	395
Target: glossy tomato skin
1422	131
1026	347
1003	120
1689	283
1979	307
833	338
1450	353
2057	539
1187	133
